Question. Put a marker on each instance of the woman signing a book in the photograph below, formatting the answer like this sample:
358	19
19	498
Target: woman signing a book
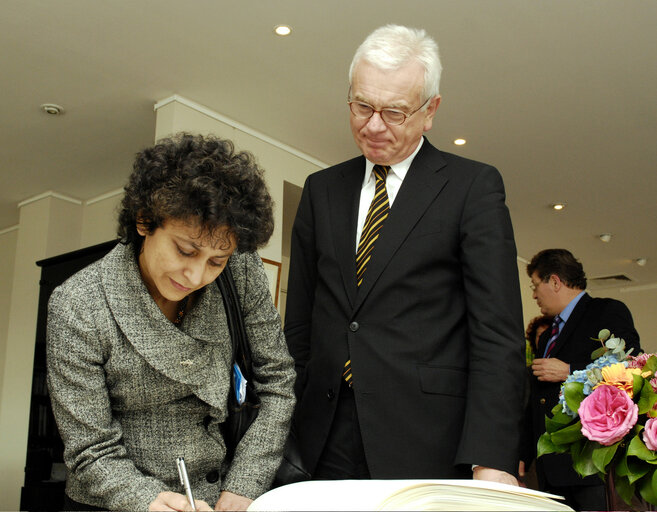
139	350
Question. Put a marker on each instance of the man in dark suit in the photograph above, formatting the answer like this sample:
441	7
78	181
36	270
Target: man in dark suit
405	323
558	282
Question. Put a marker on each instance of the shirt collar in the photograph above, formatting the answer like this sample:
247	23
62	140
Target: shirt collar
400	169
565	314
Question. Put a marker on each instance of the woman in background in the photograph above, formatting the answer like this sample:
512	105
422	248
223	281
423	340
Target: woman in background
139	351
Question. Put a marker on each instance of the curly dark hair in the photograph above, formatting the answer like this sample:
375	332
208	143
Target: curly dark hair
560	262
534	324
202	180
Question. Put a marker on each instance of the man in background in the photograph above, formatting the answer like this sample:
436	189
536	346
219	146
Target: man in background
403	312
559	283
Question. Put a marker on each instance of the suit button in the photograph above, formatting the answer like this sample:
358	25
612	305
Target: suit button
353	326
330	394
542	401
212	477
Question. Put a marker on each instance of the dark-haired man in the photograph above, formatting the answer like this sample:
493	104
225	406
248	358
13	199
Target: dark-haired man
559	284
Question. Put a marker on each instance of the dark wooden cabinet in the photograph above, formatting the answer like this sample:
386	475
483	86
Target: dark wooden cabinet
44	470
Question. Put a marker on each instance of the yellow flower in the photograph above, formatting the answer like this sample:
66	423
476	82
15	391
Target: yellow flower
637	371
618	376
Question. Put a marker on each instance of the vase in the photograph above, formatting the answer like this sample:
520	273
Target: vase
615	502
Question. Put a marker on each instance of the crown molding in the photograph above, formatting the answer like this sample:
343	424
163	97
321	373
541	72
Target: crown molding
239	126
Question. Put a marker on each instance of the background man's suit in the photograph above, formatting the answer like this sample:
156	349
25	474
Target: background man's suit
434	332
573	346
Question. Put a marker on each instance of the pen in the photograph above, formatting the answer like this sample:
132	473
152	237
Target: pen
184	480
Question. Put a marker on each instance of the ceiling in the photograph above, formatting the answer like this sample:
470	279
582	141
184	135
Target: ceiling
559	95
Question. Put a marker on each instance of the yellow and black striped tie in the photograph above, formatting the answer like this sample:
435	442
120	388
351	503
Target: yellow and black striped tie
376	214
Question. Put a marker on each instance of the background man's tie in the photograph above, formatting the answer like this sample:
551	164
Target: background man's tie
554	334
376	214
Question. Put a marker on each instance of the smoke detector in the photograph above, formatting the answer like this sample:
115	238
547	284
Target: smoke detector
52	109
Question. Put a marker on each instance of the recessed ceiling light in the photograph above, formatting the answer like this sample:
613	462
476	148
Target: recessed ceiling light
282	30
641	262
605	237
558	206
52	109
459	142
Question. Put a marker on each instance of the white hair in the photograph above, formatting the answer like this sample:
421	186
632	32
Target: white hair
393	46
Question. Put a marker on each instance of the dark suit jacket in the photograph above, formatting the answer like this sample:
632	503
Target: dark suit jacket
573	346
434	332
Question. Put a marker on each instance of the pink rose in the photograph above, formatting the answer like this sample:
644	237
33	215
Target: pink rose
650	434
607	414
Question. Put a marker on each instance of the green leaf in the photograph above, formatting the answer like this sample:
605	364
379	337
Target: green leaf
568	434
552	426
598	352
637	384
636	469
582	454
624	488
573	392
648	488
651	364
602	456
558	416
621	468
637	448
545	445
647	399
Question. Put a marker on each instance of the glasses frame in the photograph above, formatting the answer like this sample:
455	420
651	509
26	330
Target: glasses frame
380	111
533	286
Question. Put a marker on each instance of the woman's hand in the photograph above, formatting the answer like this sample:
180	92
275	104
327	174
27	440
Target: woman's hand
232	501
174	501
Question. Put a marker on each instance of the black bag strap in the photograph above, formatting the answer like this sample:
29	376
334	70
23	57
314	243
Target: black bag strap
241	349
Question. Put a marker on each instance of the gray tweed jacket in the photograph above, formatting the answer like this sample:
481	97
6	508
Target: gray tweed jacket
131	391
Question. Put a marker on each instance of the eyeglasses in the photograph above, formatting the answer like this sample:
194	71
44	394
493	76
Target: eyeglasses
534	285
390	116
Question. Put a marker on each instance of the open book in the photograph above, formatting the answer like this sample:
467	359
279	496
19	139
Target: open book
405	495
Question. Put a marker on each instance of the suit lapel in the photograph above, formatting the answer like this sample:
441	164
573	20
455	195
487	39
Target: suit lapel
344	198
572	323
420	187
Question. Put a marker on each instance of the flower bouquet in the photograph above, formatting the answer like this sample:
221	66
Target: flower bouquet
607	419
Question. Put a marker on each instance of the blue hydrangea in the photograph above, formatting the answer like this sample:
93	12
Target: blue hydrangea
586	377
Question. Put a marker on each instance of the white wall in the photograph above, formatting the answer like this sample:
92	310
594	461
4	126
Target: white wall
49	224
642	302
280	162
8	240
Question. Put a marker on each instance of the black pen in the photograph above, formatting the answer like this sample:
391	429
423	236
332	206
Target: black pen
184	480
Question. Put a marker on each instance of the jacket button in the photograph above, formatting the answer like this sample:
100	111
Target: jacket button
353	326
212	477
330	394
542	401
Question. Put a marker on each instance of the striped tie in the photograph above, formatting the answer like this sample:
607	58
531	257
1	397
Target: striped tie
376	214
554	334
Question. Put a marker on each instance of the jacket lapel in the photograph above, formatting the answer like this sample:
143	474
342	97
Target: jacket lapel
344	199
419	189
572	323
198	354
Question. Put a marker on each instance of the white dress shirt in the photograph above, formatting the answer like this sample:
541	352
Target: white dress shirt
394	181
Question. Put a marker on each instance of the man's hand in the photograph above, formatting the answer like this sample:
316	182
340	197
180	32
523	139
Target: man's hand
232	501
521	474
550	369
493	475
174	501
